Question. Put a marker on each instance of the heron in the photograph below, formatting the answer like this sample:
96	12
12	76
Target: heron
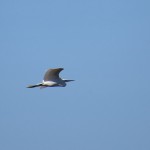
51	79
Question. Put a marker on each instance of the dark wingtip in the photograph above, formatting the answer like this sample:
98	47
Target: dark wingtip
60	68
68	80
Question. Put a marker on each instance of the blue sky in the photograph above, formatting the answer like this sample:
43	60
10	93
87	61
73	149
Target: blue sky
103	45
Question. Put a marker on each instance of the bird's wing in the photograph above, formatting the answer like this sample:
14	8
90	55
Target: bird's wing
52	74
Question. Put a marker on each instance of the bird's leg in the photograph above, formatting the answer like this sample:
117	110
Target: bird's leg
33	86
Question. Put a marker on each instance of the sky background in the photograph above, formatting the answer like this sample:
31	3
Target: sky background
104	45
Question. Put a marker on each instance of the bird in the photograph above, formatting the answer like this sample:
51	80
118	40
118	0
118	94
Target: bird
51	79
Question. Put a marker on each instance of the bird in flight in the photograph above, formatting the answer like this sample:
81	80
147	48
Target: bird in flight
51	79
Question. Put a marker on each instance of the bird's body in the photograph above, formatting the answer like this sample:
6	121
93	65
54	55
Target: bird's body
51	79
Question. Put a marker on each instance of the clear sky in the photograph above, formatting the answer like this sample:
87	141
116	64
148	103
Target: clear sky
104	45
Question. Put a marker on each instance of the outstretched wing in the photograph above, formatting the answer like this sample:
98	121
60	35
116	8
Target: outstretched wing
52	74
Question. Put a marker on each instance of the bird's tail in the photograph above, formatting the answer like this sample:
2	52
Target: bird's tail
33	86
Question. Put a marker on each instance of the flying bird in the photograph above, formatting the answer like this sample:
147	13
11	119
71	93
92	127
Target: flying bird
51	79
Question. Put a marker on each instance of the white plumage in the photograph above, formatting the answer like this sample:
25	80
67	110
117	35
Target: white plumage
51	79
